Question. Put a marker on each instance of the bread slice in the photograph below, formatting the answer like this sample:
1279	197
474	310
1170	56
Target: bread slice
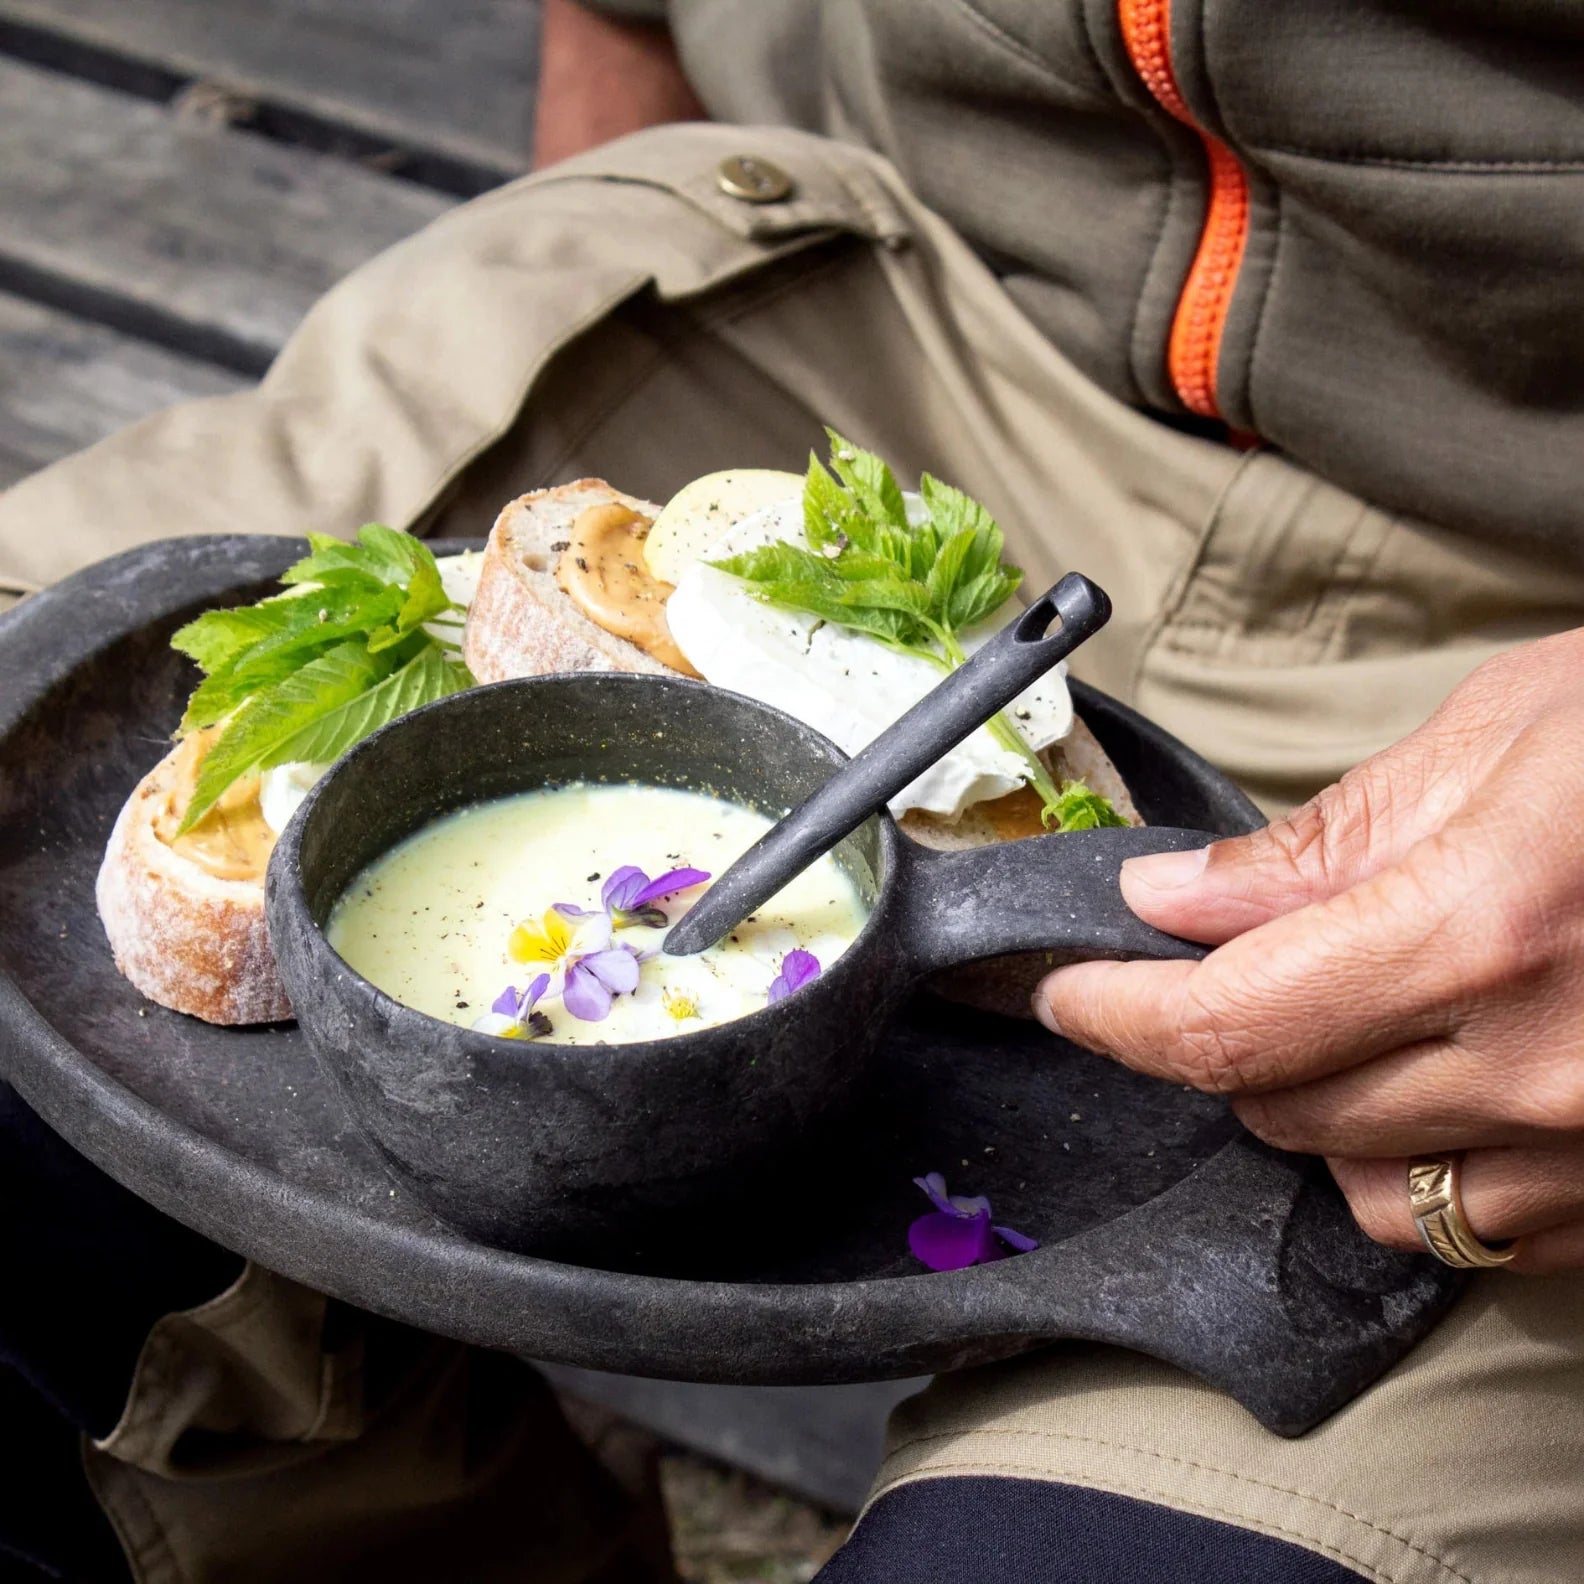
521	624
187	940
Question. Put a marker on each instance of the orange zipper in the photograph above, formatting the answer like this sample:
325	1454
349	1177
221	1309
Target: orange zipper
1200	320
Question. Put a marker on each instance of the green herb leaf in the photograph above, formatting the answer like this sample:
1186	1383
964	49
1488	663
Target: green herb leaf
914	586
428	676
276	714
873	485
970	603
317	668
219	636
322	619
831	517
379	555
1078	808
426	598
939	576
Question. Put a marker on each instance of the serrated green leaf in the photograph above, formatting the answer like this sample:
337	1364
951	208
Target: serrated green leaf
278	712
400	553
865	567
890	593
825	601
972	602
777	563
1076	807
857	566
423	679
952	511
946	574
872	483
219	636
831	518
378	555
426	597
324	619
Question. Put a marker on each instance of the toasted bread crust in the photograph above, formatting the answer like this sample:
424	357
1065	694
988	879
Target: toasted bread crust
187	940
520	623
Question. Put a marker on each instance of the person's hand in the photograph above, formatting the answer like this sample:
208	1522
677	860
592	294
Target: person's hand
1400	967
601	78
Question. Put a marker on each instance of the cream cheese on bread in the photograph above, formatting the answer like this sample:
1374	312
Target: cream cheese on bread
845	684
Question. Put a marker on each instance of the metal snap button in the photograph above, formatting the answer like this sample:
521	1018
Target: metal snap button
752	179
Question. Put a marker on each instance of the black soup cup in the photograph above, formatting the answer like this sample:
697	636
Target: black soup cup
571	1151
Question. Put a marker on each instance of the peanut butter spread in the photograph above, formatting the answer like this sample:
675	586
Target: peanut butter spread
1015	814
602	572
232	841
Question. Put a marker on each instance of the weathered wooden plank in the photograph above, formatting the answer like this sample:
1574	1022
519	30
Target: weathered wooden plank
207	240
455	77
65	383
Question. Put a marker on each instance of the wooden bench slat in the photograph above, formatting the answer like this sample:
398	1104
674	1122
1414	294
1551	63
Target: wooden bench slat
453	76
65	383
207	240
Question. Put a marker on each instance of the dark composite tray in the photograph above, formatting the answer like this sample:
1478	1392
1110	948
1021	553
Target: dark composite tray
1164	1226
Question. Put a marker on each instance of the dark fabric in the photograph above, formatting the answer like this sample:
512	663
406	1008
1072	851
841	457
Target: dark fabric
88	1268
1406	320
1013	1531
50	1525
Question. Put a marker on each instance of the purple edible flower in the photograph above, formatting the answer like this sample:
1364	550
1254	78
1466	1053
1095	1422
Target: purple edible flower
585	969
512	1016
593	981
797	969
958	1233
629	896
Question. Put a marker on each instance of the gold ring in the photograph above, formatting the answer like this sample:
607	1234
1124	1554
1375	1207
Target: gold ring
1437	1207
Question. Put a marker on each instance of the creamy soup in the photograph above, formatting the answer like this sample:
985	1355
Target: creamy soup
460	920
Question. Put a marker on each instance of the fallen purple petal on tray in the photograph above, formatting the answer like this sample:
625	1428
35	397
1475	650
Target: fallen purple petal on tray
958	1232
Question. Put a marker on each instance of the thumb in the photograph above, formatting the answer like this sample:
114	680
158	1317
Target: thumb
1363	824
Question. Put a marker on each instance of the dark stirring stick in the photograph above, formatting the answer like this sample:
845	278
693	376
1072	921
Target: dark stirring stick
1016	657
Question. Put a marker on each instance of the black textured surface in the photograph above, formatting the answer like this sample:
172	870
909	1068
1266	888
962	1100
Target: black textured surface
1165	1228
606	1152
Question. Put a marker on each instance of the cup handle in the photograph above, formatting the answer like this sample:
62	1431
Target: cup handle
1059	892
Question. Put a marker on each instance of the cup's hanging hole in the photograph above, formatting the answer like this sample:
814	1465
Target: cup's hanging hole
1040	621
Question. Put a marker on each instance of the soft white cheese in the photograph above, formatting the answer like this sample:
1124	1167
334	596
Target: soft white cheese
459	577
843	683
282	789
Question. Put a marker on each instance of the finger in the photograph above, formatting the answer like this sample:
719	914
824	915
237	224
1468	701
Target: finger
1377	1194
1426	1097
1363	824
1382	966
1545	1253
1506	1194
